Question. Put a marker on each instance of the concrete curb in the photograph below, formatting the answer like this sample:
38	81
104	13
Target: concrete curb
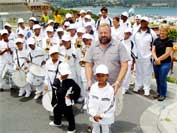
167	122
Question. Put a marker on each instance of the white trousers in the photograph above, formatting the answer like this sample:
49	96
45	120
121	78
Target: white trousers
127	78
100	128
143	73
26	89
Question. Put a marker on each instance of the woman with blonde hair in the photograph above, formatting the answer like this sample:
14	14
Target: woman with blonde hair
161	51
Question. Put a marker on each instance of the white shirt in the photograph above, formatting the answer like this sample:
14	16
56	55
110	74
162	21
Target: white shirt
38	40
22	57
143	40
116	33
37	56
101	102
107	20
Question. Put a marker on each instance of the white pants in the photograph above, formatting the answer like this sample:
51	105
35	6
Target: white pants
39	89
143	73
26	89
100	128
127	78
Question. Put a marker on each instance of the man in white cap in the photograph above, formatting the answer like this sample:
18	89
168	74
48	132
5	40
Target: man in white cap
51	67
129	45
37	35
20	58
124	23
37	56
137	23
144	39
31	23
50	39
80	20
21	26
11	37
70	56
6	51
88	19
101	102
72	30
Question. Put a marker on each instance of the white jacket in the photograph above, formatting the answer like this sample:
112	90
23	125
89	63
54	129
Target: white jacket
102	102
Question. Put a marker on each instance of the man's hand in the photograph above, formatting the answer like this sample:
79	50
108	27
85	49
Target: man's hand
45	87
157	62
116	86
17	68
97	118
43	63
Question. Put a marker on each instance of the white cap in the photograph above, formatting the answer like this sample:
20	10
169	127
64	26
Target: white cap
89	10
88	24
145	19
60	29
67	23
81	30
32	19
21	32
54	49
68	15
128	30
72	26
66	38
18	40
50	28
20	20
87	36
50	21
30	41
99	13
138	16
87	16
103	69
7	24
125	14
36	26
64	68
82	11
4	31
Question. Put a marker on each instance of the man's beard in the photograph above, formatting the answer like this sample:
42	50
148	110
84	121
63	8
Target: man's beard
105	40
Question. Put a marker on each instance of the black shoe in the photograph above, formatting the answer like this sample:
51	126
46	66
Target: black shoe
1	89
156	96
161	98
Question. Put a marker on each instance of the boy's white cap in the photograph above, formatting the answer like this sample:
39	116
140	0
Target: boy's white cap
50	29
87	36
21	32
67	23
81	30
68	15
128	30
138	16
145	19
64	68
103	69
36	26
4	31
32	18
72	26
89	10
60	29
20	20
18	40
50	21
7	24
82	11
66	37
30	41
87	16
53	49
125	14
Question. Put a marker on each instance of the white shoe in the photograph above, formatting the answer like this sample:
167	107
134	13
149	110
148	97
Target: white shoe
146	92
136	89
71	131
27	94
21	94
124	91
54	125
37	96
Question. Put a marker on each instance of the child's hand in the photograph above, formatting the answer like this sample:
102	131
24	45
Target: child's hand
97	118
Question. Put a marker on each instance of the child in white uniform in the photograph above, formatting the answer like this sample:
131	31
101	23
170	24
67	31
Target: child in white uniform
101	102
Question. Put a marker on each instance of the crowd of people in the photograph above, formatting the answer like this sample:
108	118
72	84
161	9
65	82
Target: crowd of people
80	60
